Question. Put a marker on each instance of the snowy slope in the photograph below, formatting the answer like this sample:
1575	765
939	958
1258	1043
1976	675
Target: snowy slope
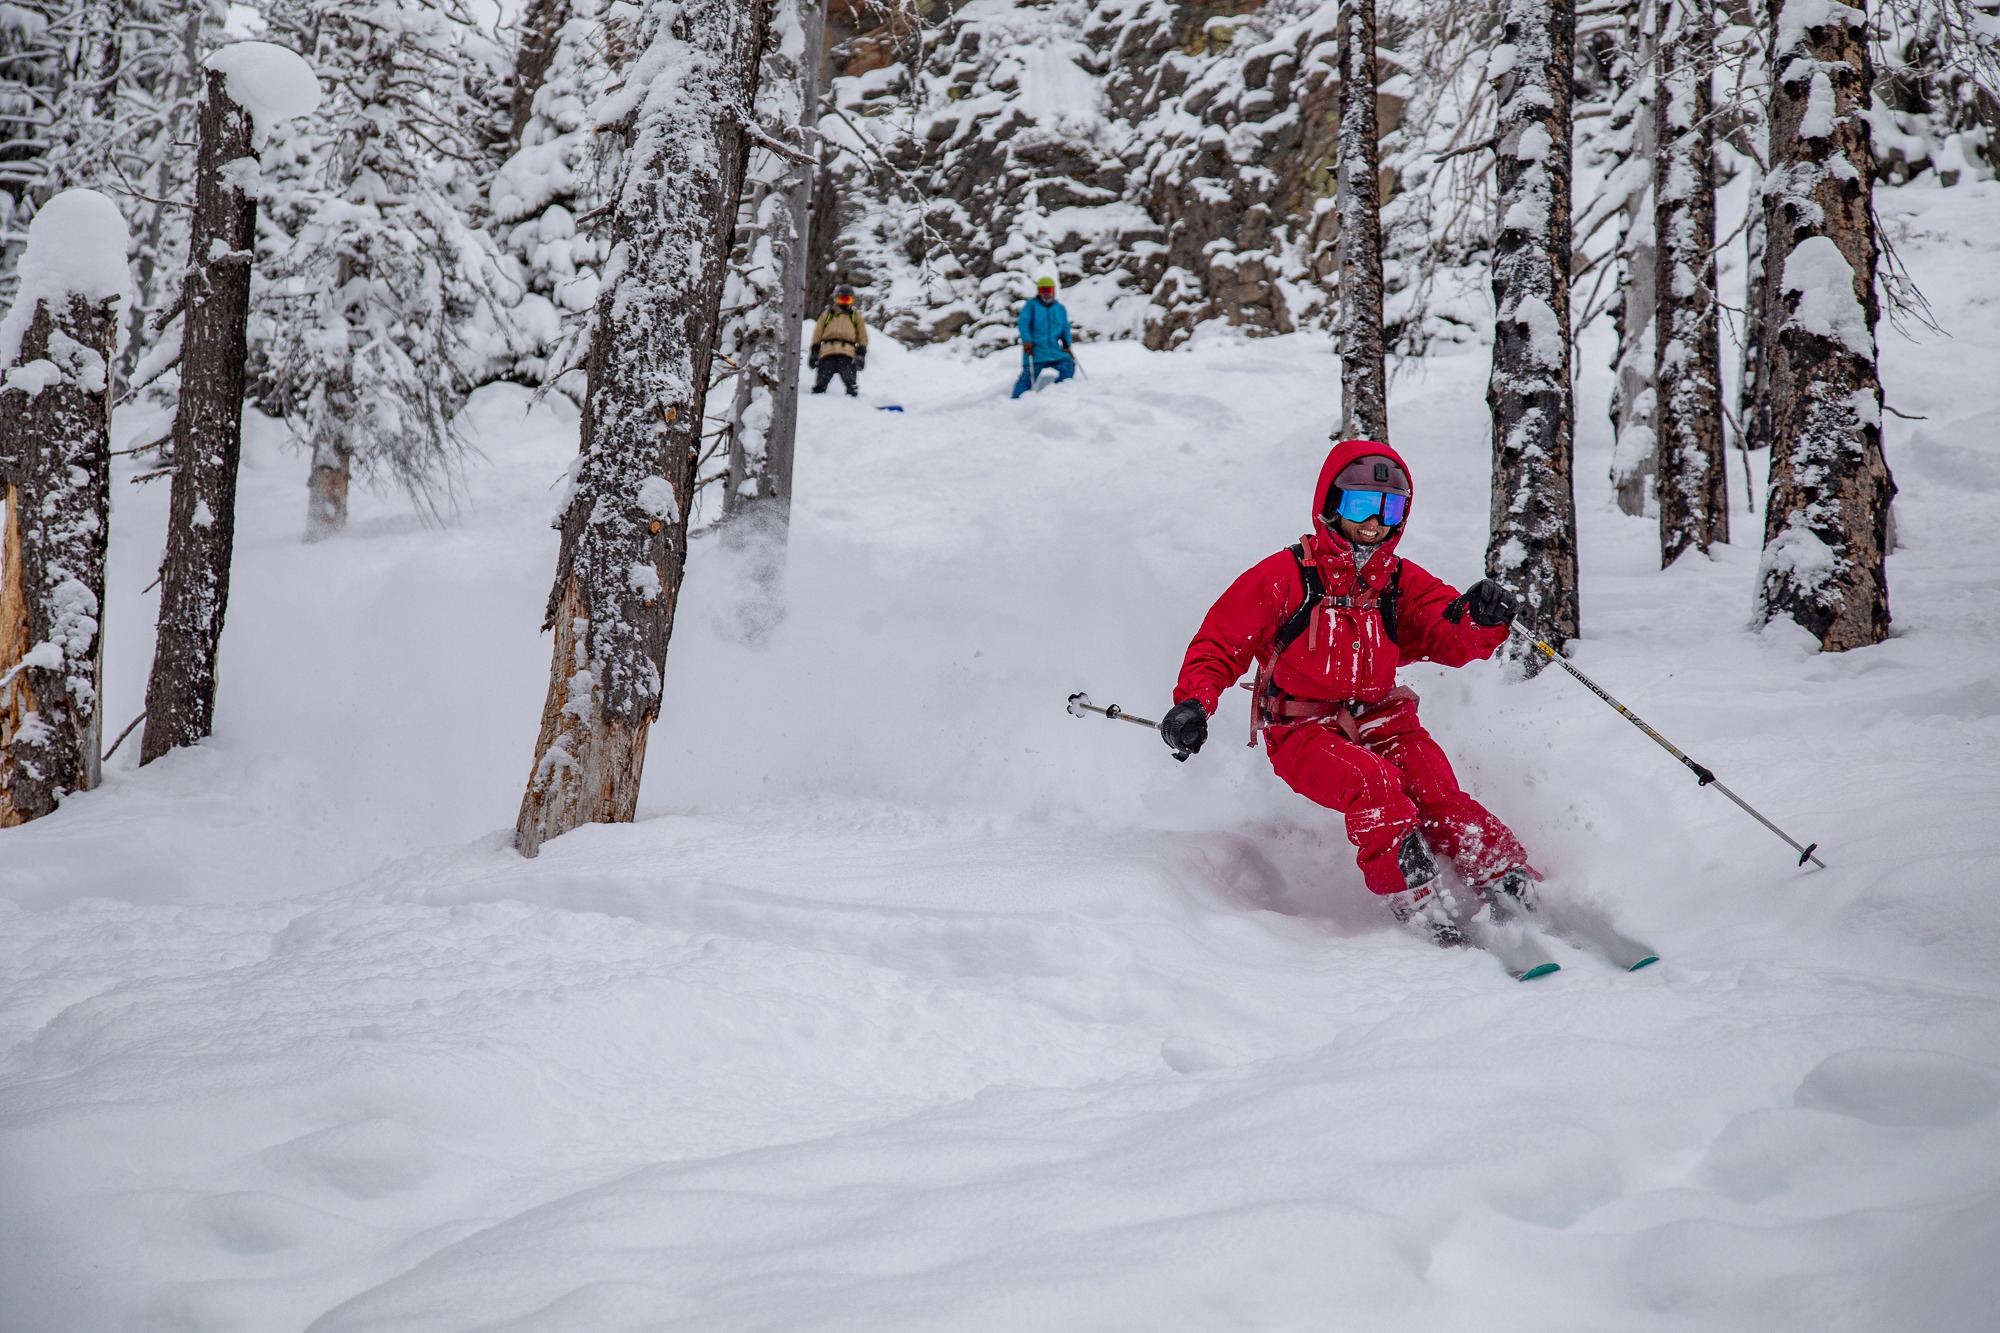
912	1002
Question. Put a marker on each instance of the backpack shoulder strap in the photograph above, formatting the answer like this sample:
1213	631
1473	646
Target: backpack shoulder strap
1388	600
1295	624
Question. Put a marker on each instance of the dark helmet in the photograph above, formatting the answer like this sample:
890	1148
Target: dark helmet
1373	472
843	293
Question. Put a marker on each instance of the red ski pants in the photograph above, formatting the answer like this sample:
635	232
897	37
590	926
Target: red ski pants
1395	779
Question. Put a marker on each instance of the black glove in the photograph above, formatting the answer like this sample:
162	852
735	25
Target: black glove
1184	728
861	358
812	359
1489	603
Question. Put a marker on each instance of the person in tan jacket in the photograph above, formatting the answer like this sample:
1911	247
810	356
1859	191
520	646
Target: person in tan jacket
839	343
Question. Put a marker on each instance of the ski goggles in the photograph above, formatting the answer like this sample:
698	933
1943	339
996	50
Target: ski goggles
1360	506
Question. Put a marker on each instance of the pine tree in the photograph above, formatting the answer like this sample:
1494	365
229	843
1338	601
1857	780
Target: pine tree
385	303
1532	541
1364	389
1825	523
547	195
58	344
682	120
1692	469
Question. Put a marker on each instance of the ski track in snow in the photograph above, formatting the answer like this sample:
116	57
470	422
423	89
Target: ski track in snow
912	1002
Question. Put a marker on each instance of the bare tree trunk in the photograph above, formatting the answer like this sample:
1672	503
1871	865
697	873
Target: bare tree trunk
1825	523
332	459
777	208
774	484
624	525
1531	545
1364	393
326	493
55	470
540	24
208	434
1634	398
1753	381
1693	481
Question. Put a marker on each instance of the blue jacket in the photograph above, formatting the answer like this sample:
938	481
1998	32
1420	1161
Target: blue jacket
1047	327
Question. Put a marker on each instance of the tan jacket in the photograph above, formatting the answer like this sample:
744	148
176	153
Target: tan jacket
840	332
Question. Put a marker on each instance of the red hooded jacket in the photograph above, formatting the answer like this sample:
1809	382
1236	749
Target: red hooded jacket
1345	652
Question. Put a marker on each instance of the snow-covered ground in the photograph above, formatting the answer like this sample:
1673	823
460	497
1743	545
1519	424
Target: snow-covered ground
913	1003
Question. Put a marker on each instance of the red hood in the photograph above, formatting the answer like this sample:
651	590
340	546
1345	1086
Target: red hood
1335	552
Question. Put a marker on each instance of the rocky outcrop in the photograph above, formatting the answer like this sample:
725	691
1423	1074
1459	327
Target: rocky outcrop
1169	163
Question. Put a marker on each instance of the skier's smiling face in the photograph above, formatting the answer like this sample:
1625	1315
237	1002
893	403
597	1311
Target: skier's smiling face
1369	532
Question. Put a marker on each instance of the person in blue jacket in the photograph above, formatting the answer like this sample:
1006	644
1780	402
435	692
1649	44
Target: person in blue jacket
1044	328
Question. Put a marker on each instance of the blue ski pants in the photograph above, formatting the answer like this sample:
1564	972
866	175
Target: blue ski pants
1064	369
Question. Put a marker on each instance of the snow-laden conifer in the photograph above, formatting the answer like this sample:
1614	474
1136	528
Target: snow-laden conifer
545	198
383	302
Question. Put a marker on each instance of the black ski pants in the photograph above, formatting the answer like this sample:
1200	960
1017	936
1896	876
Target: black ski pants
843	366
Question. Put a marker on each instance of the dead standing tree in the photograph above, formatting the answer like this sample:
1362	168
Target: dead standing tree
684	116
207	440
1364	398
1825	523
55	472
1687	368
1531	546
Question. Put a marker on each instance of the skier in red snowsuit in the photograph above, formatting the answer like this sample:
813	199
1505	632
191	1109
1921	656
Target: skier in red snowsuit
1337	727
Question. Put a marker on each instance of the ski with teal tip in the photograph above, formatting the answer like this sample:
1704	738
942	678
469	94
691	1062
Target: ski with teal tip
1517	950
1589	929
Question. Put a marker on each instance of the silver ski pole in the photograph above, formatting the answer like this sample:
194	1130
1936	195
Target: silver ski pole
1703	777
1079	704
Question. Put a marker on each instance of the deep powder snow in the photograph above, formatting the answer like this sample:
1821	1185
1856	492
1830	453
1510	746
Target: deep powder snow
912	1002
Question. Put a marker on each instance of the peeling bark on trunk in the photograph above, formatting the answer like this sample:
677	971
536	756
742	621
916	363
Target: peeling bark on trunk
1825	523
1531	545
1693	476
55	472
207	437
624	524
1364	394
541	23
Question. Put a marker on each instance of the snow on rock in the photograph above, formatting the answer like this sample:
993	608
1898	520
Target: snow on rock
1827	307
274	84
76	247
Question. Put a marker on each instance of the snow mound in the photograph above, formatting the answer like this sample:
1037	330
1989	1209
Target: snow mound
76	247
270	82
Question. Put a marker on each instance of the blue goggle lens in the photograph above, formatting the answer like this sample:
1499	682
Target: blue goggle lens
1360	506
